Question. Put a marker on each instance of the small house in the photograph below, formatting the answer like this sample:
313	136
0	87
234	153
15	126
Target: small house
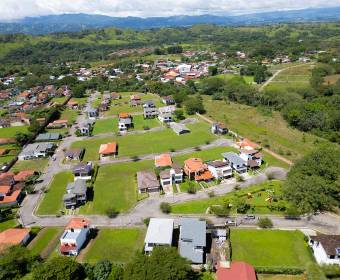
246	144
74	154
75	193
74	236
37	150
236	162
159	233
192	239
83	171
125	122
219	128
108	150
149	104
14	237
179	128
235	270
163	160
220	169
92	113
147	182
168	100
165	117
253	158
85	127
150	112
326	249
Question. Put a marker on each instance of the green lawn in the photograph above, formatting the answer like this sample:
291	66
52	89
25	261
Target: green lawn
11	223
153	142
269	130
257	203
44	240
52	201
70	115
59	100
9	132
273	248
116	245
36	164
279	277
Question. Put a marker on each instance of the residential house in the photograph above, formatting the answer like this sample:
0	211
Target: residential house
192	239
83	171
4	123
253	158
85	127
159	233
108	149
75	193
147	182
74	236
74	154
177	174
73	104
165	117
163	160
92	113
115	96
58	124
246	144
235	270
171	176
179	128
14	237
219	128
168	100
135	100
236	162
37	150
220	169
167	109
196	170
150	112
326	249
46	137
125	122
149	104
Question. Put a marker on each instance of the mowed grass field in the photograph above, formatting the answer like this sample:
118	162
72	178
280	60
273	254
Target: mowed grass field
294	76
258	202
52	203
70	115
45	241
34	164
150	142
116	245
9	132
279	277
268	130
270	248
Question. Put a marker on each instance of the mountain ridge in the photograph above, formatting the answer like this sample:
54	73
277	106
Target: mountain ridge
79	22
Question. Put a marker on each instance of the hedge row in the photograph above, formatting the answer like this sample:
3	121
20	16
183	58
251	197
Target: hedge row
279	270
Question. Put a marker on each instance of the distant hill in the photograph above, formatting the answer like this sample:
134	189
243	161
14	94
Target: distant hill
78	22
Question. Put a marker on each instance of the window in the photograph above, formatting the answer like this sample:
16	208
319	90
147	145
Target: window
337	251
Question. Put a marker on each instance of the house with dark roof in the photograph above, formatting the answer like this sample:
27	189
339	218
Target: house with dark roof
168	100
219	128
45	137
83	171
253	158
192	239
220	169
74	154
147	182
179	128
75	193
37	150
236	162
326	248
150	112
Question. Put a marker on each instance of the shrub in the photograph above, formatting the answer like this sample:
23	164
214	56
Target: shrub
211	194
220	211
331	271
265	223
165	207
191	189
111	212
278	270
146	221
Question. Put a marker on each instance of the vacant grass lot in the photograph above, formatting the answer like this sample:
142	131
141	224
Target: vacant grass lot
35	164
273	248
116	245
52	201
70	115
269	130
44	242
153	142
9	132
258	201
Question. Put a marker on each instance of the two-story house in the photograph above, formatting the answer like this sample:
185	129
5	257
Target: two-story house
220	169
326	248
197	170
83	171
125	122
236	162
75	193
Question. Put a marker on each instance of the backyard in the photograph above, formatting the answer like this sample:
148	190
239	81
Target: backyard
116	245
270	248
262	199
35	164
52	200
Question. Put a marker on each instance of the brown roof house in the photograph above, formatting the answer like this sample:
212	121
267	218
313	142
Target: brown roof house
147	181
14	236
326	248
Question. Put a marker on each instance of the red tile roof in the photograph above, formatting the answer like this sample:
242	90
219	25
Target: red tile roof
23	175
65	248
13	236
163	160
194	164
237	271
78	223
124	115
107	149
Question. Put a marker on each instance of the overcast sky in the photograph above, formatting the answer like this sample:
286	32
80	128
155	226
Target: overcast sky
16	9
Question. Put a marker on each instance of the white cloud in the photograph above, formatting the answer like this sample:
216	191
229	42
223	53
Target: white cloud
16	9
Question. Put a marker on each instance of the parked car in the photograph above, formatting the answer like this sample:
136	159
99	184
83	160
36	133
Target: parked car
249	217
230	222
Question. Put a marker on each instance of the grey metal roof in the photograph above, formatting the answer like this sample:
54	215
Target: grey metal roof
82	168
33	148
179	128
125	121
234	158
77	187
48	137
192	234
